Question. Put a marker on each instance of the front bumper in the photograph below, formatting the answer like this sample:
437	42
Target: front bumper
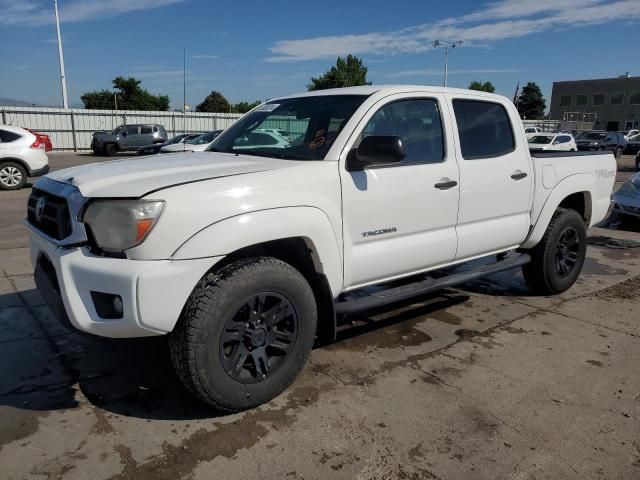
153	292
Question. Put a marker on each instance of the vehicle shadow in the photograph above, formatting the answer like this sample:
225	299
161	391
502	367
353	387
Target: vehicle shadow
44	366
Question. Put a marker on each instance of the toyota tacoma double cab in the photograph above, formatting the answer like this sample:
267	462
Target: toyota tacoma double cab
248	253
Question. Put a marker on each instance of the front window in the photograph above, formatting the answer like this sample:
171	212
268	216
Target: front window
545	139
301	128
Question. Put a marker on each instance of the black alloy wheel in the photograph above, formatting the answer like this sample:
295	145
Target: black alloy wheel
258	338
567	252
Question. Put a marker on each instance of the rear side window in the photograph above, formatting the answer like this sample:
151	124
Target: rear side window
6	136
145	130
563	139
484	129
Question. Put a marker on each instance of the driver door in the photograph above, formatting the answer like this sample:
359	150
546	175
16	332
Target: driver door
401	218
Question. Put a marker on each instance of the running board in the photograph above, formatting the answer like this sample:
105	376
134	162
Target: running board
428	285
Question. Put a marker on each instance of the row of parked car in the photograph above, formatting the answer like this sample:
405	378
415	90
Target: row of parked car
148	139
616	142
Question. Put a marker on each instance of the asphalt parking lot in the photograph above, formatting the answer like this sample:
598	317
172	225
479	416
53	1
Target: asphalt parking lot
482	382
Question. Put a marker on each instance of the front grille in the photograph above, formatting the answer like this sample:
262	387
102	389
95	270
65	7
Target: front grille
54	220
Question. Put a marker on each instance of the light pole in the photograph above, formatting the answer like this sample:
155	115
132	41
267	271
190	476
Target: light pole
65	103
446	45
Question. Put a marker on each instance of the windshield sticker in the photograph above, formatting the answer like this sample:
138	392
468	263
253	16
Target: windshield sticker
267	107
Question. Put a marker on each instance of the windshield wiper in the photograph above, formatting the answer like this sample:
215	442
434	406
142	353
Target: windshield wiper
270	154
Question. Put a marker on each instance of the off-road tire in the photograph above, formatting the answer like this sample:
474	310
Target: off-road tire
110	149
11	172
194	344
541	273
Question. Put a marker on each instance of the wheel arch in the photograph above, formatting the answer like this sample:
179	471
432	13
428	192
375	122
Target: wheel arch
300	236
574	192
19	161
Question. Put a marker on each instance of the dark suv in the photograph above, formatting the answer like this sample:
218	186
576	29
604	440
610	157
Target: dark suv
127	138
600	140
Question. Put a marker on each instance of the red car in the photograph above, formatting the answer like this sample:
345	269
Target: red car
44	138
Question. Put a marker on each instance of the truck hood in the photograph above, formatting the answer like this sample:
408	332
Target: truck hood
136	177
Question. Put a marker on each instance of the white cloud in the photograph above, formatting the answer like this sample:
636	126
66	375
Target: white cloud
501	20
31	12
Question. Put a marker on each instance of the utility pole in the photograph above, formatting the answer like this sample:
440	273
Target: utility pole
63	79
184	90
446	45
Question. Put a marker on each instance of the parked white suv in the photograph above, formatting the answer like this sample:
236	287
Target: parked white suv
22	155
556	142
245	255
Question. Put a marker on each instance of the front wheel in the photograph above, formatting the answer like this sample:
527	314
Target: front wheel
556	261
110	149
245	333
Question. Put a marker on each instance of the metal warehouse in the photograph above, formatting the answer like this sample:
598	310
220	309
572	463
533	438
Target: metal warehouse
608	103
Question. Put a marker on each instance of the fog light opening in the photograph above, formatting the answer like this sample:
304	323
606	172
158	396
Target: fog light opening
108	305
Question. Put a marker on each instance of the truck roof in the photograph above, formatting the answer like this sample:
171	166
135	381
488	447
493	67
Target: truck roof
388	89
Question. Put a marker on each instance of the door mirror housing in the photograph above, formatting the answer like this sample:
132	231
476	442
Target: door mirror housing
377	150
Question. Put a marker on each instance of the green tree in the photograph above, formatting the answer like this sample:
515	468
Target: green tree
349	72
483	87
130	96
244	107
214	102
531	103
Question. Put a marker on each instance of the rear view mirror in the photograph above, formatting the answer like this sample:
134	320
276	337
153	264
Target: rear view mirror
377	150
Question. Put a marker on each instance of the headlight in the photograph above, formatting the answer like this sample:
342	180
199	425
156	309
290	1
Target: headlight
628	188
118	225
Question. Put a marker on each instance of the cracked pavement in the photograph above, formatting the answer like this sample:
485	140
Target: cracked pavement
485	381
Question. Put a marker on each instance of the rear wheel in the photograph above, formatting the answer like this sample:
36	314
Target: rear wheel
111	149
13	176
245	333
557	260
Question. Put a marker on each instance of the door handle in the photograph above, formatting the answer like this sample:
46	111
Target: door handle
518	176
446	185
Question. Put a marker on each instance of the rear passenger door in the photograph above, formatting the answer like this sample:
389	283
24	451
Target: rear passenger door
496	177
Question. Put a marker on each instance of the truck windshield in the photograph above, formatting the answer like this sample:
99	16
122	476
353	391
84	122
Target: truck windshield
592	136
294	128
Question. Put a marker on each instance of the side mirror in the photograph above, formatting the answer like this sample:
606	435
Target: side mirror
377	150
123	133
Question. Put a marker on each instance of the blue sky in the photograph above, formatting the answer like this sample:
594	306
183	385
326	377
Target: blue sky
259	50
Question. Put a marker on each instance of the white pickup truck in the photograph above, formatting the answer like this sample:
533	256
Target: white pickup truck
246	254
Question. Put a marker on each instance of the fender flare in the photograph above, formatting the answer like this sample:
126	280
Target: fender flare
247	229
580	182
